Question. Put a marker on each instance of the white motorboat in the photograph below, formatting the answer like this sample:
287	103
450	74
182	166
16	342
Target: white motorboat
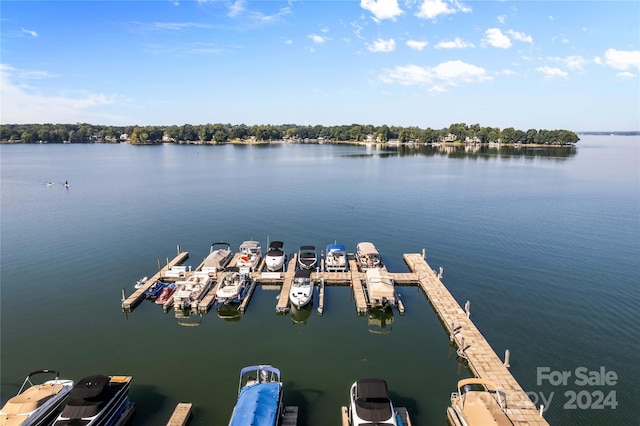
34	403
370	404
478	402
233	287
98	401
142	281
194	289
367	256
250	255
380	288
336	258
307	257
301	291
275	257
218	258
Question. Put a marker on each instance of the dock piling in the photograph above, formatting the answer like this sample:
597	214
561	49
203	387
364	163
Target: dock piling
507	355
467	308
123	295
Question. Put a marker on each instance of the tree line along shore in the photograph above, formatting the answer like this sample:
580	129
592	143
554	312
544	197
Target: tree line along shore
241	133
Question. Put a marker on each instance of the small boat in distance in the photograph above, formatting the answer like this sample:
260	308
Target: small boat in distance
336	258
367	256
233	287
275	257
194	289
478	402
380	289
166	294
154	291
219	256
301	291
250	255
370	404
141	282
35	402
98	400
307	257
259	397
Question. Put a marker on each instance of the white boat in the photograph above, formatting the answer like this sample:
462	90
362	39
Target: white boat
34	403
194	289
478	402
250	255
370	404
336	258
141	282
275	257
218	258
307	257
367	256
301	291
98	401
233	287
380	289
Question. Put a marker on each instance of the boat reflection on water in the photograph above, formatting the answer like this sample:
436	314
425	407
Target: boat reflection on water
229	312
380	320
188	317
302	314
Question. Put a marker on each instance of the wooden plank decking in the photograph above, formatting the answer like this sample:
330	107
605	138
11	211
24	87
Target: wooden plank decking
358	291
283	299
180	415
130	302
482	360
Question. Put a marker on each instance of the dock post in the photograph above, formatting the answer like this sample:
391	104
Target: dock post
452	335
123	295
507	355
467	308
541	409
440	273
424	253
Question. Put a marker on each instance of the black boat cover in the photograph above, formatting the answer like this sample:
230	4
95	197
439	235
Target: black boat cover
372	400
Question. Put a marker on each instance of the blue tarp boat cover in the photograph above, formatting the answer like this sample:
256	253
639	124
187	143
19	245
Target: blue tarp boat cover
257	405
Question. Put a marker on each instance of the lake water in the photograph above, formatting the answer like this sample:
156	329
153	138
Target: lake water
545	244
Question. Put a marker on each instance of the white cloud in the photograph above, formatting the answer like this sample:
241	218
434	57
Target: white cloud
416	44
520	36
494	37
381	45
431	9
30	32
552	72
622	59
316	38
437	78
382	9
237	7
626	74
457	43
575	62
597	60
29	105
502	19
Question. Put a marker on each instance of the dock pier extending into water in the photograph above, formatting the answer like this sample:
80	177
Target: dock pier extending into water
472	346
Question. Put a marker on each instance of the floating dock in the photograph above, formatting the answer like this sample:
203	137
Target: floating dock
131	301
482	360
180	415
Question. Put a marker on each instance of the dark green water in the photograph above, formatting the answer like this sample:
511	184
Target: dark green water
545	245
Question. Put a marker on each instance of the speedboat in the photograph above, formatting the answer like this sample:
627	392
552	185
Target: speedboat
194	289
380	288
233	287
98	400
219	256
275	257
34	403
250	255
166	294
301	291
370	404
259	397
367	256
336	258
307	257
478	402
154	291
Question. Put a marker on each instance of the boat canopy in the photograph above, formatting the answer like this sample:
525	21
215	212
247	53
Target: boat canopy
372	399
278	245
303	273
367	248
259	401
335	247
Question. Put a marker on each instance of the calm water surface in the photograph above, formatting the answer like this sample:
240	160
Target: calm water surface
545	245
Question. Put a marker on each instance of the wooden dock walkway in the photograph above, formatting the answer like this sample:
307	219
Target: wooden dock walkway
130	302
357	278
180	415
283	299
482	360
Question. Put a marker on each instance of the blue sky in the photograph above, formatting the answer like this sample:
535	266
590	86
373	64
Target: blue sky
524	64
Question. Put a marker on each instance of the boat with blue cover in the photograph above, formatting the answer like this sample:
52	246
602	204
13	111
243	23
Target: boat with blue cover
259	397
336	258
